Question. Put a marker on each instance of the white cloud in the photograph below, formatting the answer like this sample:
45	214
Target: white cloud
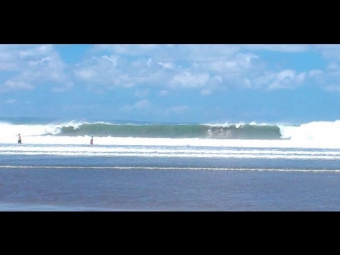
329	79
33	65
208	68
193	66
333	66
217	79
111	59
188	80
166	65
286	79
204	52
127	49
34	52
329	51
232	66
300	78
8	60
14	85
84	74
178	66
116	71
278	47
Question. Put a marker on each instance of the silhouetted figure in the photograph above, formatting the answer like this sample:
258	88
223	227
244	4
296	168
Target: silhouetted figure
19	138
91	142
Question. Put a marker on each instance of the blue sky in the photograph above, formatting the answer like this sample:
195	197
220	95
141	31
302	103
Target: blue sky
196	83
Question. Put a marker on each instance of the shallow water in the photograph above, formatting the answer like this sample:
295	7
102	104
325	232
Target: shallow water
155	183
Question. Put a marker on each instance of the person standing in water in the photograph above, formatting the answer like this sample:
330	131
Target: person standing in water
19	138
91	142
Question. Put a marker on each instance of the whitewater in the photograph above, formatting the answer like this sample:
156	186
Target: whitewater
318	140
44	136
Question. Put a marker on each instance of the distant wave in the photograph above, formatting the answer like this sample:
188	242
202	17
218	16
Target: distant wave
246	131
311	131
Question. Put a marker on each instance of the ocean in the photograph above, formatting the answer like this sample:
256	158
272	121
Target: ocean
143	166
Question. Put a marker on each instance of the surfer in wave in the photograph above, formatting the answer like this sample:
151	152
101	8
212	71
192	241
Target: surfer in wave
91	142
19	138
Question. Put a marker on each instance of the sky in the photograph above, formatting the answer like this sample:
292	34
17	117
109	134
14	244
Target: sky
178	83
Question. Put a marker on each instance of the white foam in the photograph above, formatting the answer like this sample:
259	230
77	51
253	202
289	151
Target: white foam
85	140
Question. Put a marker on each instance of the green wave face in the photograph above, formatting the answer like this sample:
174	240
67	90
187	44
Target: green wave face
246	131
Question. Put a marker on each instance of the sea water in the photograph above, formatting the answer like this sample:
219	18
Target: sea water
168	167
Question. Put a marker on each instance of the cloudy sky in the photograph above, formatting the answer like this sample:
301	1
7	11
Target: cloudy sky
197	83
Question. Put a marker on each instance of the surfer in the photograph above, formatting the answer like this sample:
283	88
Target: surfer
91	142
19	138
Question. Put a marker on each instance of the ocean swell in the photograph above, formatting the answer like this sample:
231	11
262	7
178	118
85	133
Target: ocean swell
246	131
